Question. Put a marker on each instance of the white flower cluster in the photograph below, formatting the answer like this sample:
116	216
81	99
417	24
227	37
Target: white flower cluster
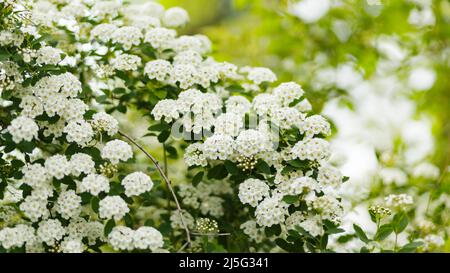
251	191
117	150
94	184
271	211
137	183
23	128
49	109
399	201
208	198
113	207
195	109
104	122
144	238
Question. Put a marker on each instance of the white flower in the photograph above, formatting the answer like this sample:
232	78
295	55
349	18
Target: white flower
433	241
103	32
329	175
287	92
117	150
11	237
160	38
50	231
212	205
218	147
328	207
166	108
34	208
228	124
293	220
271	211
121	238
309	11
23	128
105	9
398	200
313	149
73	109
265	104
35	175
251	230
57	166
31	106
315	125
147	238
252	142
158	69
237	105
72	246
251	191
48	55
94	184
113	207
104	122
126	62
137	183
426	170
286	117
176	223
259	75
302	185
183	74
175	17
127	36
81	163
68	204
313	225
188	57
193	156
79	132
393	176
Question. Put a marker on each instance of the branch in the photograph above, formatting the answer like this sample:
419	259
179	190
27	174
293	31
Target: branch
166	179
210	234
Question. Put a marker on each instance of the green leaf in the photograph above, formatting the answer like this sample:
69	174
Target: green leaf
128	220
290	199
161	94
231	167
273	230
411	247
400	222
334	231
172	151
364	250
95	204
163	136
285	245
345	179
109	226
263	167
383	232
197	178
159	127
303	232
361	234
297	163
218	172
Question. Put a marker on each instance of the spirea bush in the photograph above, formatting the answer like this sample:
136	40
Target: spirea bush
256	177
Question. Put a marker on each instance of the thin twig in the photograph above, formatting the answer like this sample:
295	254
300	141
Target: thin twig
182	247
166	179
210	234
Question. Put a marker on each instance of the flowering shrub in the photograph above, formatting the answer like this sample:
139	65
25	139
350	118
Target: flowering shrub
255	161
